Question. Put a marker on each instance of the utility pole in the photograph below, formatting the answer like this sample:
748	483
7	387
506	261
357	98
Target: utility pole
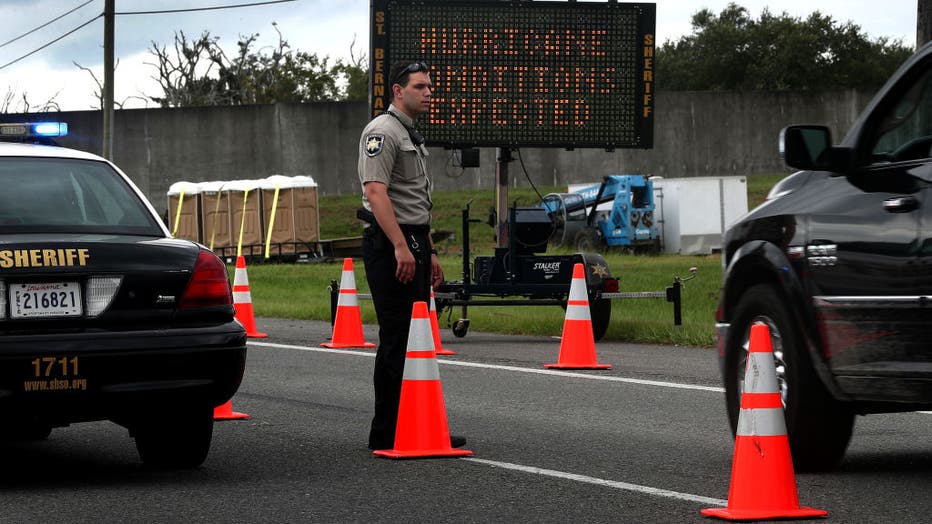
107	109
923	22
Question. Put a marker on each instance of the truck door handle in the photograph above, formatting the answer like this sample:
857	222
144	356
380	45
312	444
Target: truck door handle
900	204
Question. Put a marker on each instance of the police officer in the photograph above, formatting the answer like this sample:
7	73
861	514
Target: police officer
398	252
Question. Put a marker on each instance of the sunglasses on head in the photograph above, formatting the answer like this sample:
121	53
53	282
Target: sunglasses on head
413	67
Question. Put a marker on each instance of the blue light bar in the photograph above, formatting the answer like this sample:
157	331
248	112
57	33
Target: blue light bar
50	129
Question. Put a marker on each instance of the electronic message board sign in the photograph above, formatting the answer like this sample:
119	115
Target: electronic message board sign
523	73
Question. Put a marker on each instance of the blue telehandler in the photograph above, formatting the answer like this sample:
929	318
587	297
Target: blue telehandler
629	224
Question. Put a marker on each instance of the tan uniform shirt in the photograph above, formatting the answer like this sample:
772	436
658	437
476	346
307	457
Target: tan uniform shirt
387	155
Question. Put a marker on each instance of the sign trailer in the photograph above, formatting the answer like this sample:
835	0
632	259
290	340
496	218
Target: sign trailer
519	73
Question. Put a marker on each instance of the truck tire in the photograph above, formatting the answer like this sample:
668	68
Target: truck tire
180	441
586	240
818	426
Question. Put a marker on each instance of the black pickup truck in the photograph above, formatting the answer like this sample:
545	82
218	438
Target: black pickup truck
838	263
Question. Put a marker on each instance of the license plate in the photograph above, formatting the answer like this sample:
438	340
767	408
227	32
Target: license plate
45	300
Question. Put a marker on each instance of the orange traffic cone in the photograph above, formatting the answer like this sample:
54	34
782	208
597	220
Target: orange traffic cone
242	300
435	328
225	412
422	429
763	485
577	345
347	327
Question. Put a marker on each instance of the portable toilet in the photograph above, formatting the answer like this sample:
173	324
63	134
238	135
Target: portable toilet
184	211
216	215
246	214
290	213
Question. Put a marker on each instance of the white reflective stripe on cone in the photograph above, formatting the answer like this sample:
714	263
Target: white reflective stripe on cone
761	374
420	335
421	369
347	299
240	278
347	280
242	297
577	312
761	422
578	290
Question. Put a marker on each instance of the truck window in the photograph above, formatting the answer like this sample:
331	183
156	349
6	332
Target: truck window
905	132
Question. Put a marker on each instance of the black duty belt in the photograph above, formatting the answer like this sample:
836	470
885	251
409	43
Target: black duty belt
415	228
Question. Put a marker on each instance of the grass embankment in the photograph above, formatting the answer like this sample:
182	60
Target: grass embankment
300	290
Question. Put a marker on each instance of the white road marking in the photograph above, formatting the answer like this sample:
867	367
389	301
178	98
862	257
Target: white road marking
506	368
647	490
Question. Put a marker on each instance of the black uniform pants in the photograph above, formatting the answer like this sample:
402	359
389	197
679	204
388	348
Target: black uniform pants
393	304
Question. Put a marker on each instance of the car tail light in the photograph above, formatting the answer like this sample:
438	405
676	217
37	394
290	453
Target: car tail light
100	292
209	285
2	299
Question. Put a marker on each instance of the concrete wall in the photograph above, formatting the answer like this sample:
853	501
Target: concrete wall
695	134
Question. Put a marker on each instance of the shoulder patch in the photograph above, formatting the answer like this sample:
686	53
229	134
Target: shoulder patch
374	144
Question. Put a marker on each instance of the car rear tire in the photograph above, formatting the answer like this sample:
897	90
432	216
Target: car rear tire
818	426
178	441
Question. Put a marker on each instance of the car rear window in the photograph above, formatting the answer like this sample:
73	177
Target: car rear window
56	195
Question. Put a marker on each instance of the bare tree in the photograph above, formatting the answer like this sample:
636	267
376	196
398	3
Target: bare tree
9	103
98	93
199	72
184	77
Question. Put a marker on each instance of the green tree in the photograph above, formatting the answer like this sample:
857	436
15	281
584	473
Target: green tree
732	51
198	72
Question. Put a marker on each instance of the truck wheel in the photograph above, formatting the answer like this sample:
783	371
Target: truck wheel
586	240
818	426
180	441
601	313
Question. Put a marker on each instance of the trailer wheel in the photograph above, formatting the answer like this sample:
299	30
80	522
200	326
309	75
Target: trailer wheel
460	327
601	312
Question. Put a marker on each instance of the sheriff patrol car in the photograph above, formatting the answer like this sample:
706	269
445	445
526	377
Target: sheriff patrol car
103	315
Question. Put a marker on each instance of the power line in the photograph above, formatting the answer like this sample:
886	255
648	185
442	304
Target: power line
126	13
202	8
27	33
50	43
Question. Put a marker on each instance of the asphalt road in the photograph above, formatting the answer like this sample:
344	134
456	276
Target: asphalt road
646	441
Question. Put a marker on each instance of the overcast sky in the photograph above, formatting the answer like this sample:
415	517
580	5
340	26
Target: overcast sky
325	27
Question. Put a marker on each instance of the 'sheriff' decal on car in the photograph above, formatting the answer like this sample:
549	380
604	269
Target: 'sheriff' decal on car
44	257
